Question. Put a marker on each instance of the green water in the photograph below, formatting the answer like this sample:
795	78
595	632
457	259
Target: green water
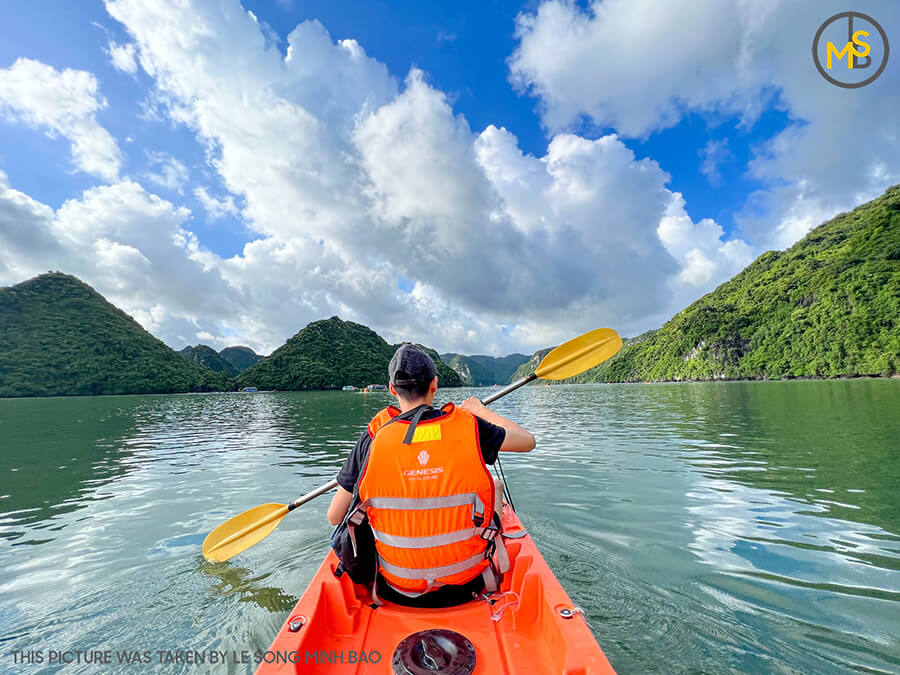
731	527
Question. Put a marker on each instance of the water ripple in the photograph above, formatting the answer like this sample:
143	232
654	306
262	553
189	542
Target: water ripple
741	527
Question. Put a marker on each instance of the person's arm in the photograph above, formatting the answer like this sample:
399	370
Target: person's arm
339	505
347	477
517	439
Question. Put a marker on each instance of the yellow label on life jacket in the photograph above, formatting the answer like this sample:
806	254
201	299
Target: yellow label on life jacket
427	432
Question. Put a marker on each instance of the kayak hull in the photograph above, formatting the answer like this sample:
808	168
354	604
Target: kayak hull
529	626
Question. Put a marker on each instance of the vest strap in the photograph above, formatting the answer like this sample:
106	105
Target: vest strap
500	560
491	580
429	574
432	585
411	431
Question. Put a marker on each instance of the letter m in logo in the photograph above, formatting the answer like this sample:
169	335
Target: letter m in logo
853	40
831	49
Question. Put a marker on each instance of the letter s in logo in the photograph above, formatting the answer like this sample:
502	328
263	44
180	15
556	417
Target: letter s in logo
857	53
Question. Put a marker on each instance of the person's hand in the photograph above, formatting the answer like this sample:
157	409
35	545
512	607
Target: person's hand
473	405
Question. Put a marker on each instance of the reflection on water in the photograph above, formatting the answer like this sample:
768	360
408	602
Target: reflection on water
727	527
231	579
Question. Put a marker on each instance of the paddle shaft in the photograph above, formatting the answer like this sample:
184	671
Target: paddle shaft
508	389
322	489
309	496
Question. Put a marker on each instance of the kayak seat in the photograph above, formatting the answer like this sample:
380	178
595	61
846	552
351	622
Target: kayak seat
445	596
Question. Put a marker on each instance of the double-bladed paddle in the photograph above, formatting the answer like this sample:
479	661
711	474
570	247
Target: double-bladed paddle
250	527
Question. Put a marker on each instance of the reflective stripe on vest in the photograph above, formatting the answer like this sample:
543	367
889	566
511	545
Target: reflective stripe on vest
423	503
432	573
424	536
432	540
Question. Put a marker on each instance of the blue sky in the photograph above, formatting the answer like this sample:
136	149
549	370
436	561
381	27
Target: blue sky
541	146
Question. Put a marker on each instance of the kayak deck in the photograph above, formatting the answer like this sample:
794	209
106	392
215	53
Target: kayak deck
531	627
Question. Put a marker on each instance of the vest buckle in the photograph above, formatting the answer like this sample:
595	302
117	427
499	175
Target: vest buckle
490	533
479	512
358	517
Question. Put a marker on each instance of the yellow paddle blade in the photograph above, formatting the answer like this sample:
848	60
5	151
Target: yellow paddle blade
242	531
579	354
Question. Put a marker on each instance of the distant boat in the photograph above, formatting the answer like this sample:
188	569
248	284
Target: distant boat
250	390
377	387
349	387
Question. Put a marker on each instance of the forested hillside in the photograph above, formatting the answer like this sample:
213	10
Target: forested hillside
240	357
207	356
828	306
480	370
58	336
329	354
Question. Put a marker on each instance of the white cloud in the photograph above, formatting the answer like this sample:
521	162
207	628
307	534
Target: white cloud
616	217
126	243
639	66
148	255
134	248
24	233
122	57
166	171
216	208
62	103
714	154
636	65
574	229
354	180
323	148
705	257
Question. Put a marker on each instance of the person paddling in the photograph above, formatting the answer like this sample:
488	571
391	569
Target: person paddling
422	481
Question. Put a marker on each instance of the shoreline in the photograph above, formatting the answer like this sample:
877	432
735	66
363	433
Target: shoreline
553	383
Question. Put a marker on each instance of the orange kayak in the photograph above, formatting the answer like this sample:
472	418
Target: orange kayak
529	626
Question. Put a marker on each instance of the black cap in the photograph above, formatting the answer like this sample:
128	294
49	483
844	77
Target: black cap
410	366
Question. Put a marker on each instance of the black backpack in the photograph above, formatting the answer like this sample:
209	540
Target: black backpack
354	546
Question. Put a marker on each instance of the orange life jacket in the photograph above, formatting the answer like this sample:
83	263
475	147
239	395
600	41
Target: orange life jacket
430	502
382	418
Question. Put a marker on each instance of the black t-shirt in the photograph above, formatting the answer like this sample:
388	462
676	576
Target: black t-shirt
490	437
